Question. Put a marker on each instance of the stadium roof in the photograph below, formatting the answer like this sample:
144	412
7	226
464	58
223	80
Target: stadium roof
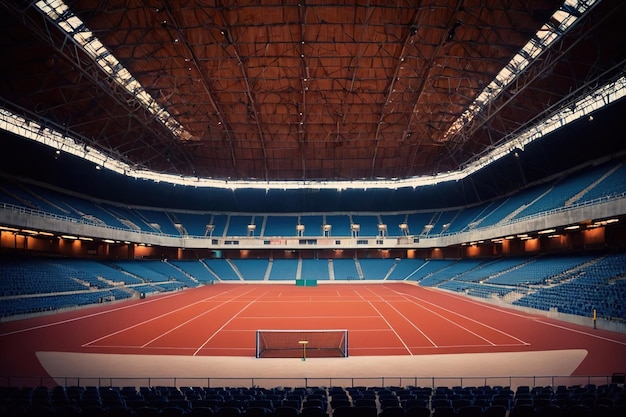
303	91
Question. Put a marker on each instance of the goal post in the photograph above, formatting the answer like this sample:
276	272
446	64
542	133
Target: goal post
331	343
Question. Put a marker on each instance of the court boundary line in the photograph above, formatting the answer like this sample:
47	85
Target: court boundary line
530	316
606	339
405	318
159	317
402	296
390	326
452	321
523	343
226	323
73	319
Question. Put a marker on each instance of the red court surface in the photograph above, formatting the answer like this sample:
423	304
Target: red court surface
396	328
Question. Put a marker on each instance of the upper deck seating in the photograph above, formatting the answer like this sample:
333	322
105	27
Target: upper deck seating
312	224
368	224
280	226
563	190
238	225
158	220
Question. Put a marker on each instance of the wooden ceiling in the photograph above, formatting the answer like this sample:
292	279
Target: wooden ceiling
300	89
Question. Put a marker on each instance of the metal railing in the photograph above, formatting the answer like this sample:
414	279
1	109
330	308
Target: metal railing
82	221
305	382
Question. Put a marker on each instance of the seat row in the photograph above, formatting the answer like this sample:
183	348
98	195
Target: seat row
576	401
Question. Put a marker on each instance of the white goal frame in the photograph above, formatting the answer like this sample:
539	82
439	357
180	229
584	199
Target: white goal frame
293	343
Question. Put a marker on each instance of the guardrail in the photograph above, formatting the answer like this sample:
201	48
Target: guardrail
347	382
73	220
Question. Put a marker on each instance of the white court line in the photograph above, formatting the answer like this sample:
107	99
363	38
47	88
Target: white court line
156	318
405	318
124	307
453	322
619	342
308	299
517	314
385	329
468	318
43	326
469	300
227	322
305	317
189	321
148	348
388	324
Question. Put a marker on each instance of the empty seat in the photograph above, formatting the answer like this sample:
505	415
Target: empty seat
417	411
525	410
285	411
256	411
392	411
201	412
444	411
470	411
495	411
228	411
345	411
313	411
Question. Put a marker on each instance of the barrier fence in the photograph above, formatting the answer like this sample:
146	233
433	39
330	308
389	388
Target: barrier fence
303	382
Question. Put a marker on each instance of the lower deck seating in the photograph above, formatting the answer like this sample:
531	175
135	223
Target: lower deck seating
483	401
570	284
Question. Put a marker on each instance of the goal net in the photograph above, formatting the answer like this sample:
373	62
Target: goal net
301	343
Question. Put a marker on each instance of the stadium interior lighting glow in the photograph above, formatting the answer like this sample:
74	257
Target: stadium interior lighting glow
65	19
561	21
543	232
573	227
605	222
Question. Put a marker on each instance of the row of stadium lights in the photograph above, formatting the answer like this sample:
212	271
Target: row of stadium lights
551	232
38	233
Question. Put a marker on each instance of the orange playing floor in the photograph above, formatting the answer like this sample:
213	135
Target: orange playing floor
404	323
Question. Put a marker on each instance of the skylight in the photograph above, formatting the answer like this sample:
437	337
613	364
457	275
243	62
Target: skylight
562	20
60	14
595	100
